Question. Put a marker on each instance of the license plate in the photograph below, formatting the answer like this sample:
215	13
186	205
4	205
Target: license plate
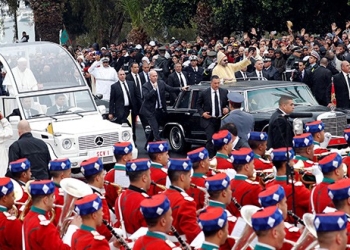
102	153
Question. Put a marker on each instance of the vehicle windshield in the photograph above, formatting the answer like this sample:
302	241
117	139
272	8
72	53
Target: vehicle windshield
78	102
267	99
39	66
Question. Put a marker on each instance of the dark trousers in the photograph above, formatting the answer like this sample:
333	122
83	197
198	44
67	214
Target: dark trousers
213	127
157	119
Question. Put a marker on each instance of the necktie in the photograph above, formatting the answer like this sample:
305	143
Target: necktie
28	113
61	109
159	105
348	83
260	75
216	104
127	93
181	81
138	83
194	69
244	75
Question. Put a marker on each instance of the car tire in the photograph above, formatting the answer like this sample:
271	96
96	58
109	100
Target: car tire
177	140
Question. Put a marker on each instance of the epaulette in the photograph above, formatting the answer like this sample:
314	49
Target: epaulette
263	160
9	216
170	243
164	170
232	218
298	184
291	228
186	196
145	195
97	236
43	220
229	160
269	181
252	182
310	162
60	192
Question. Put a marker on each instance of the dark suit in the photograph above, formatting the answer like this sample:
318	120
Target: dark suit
254	76
173	81
143	78
211	125
116	102
194	77
53	109
16	112
271	73
298	76
155	117
241	144
280	131
341	91
321	79
239	76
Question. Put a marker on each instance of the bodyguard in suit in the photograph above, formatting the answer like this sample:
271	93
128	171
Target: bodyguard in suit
280	133
212	105
300	75
341	85
123	99
144	74
177	79
241	75
243	120
195	73
321	79
154	105
258	73
60	105
28	111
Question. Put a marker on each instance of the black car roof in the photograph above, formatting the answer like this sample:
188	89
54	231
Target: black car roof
250	85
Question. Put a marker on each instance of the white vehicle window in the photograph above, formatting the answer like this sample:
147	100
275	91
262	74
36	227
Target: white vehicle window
267	99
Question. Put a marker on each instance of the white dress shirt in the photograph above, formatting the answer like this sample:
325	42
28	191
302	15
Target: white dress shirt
213	102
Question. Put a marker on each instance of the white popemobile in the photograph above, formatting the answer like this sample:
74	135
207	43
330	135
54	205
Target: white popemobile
46	87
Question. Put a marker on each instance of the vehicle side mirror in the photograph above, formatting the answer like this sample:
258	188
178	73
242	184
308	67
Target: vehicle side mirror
99	96
102	109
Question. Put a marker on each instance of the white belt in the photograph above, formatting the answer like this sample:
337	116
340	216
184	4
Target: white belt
174	239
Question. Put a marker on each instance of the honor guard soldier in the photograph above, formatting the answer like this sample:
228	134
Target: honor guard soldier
275	196
346	159
340	194
243	188
93	171
316	128
127	206
200	164
90	210
158	153
213	222
157	213
122	154
222	141
20	172
182	205
59	169
331	230
39	232
269	227
258	143
220	192
10	227
332	169
301	195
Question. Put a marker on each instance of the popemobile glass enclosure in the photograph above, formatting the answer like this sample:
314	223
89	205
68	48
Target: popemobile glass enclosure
47	88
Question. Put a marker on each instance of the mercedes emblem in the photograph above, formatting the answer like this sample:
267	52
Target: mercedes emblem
98	140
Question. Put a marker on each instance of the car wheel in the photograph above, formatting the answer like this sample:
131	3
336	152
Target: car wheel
176	139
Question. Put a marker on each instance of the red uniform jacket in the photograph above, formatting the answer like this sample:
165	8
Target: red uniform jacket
292	234
111	191
318	150
307	164
59	200
319	196
195	193
245	191
153	240
39	233
184	213
158	175
223	162
346	161
261	164
229	243
10	231
103	230
302	195
24	198
87	238
130	206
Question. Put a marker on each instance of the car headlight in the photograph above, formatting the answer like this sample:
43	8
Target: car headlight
66	143
126	136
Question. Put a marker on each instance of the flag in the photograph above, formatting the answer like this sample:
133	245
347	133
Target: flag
64	37
333	99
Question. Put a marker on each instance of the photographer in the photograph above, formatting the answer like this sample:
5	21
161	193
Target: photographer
299	75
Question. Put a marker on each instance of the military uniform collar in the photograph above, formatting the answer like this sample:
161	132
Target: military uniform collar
221	155
3	209
37	210
256	156
198	175
328	180
100	191
119	166
137	189
176	188
57	185
281	178
241	177
156	234
302	158
317	143
156	165
209	246
262	246
216	204
87	228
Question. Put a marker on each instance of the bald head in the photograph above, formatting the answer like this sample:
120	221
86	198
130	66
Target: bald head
23	127
324	62
153	76
345	67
